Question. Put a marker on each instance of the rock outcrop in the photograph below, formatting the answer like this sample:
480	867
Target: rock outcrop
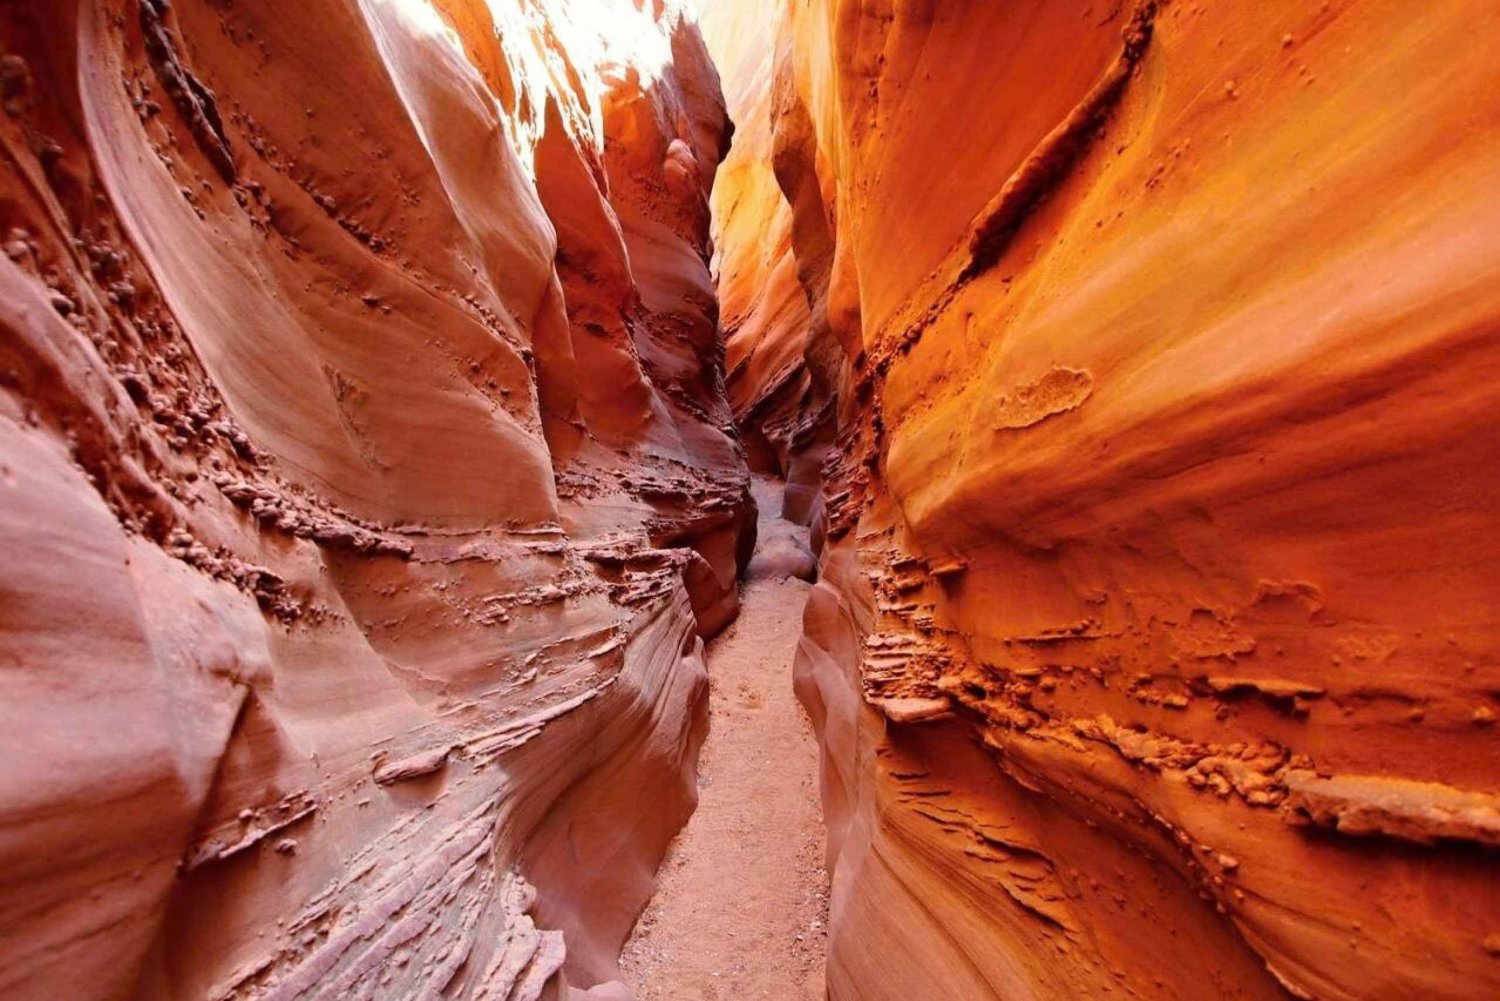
1154	649
366	485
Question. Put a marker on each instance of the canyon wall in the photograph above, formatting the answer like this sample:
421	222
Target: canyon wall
1154	652
772	237
367	484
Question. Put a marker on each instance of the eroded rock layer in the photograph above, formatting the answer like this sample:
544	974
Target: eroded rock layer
774	243
366	485
1154	652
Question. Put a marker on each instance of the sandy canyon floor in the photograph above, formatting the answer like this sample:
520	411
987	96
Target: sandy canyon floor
741	908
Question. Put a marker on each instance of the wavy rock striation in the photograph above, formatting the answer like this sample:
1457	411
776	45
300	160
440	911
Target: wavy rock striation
366	485
774	241
1154	650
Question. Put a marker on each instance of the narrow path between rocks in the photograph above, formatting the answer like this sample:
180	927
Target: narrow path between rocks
741	908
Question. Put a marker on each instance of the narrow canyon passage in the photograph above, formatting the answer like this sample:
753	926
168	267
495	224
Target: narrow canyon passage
385	384
741	904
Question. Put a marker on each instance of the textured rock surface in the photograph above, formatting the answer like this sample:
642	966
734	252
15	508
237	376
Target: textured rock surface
1154	650
366	485
781	361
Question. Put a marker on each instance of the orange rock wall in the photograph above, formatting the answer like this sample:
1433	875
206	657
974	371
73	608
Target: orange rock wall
782	363
1154	653
366	485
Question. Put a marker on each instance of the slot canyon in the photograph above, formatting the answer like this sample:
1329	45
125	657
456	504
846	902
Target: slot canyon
701	500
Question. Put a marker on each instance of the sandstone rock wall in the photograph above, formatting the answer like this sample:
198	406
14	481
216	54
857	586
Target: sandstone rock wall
1154	653
366	485
773	237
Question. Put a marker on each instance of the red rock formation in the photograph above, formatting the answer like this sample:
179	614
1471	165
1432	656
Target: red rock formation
1154	653
782	363
368	478
365	486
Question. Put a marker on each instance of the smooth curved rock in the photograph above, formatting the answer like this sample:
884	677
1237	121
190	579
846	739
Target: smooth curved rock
1164	459
364	488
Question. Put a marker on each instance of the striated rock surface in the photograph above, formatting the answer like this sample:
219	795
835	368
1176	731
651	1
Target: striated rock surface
366	485
782	364
1154	648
